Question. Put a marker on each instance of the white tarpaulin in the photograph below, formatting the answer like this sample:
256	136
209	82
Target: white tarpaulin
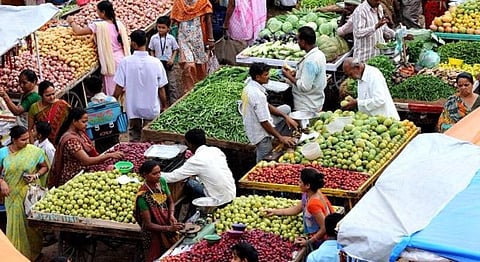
412	190
16	22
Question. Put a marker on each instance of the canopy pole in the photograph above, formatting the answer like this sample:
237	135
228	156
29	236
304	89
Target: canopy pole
39	64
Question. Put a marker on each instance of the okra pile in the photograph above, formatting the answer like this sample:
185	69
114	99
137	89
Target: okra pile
211	106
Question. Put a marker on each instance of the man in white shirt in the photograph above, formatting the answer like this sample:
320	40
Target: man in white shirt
142	78
310	80
369	28
257	113
209	165
40	133
373	95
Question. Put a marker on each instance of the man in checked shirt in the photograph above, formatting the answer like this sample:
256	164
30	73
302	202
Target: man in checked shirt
369	28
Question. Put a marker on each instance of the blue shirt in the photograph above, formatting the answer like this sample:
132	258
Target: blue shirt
327	252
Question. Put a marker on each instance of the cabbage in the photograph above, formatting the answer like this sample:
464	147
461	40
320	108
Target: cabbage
274	25
321	20
279	33
265	32
301	23
310	17
287	27
326	28
334	25
292	19
312	25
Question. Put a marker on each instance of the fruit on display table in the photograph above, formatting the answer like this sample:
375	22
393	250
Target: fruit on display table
248	210
53	68
133	152
289	174
93	195
467	51
78	52
464	19
456	69
270	247
211	106
365	145
133	14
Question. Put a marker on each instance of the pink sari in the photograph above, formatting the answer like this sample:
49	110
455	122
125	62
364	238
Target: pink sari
248	19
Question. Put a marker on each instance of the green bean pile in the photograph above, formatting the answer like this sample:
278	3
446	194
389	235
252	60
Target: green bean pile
212	106
422	88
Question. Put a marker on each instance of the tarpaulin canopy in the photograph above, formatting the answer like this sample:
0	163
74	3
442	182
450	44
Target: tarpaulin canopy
411	192
453	233
16	22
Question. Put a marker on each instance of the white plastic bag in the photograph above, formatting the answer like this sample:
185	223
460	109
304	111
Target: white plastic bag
212	64
35	193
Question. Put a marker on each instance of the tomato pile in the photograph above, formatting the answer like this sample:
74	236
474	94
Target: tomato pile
270	247
289	174
132	152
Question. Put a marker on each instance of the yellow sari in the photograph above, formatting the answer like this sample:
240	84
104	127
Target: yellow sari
27	240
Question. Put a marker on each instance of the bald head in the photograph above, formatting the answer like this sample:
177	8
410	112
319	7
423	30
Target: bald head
353	68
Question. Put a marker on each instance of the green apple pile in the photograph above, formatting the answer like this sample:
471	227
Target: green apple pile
93	195
365	145
249	210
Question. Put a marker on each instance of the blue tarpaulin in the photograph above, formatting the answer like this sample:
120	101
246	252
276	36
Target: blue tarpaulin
454	232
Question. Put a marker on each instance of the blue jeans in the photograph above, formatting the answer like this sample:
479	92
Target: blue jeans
195	188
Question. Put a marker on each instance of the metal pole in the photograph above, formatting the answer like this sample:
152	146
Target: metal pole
39	64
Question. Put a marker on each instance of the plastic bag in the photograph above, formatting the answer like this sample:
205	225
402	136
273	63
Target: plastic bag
429	59
212	64
35	193
227	49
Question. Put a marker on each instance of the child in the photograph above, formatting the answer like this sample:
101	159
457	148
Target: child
328	250
164	47
244	252
40	133
94	86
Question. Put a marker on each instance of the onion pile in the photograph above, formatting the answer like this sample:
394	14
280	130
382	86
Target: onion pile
132	151
78	52
54	70
133	14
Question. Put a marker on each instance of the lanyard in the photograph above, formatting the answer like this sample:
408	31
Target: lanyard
162	47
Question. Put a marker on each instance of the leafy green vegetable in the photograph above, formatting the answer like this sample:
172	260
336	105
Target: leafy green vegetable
422	88
287	27
385	65
316	3
292	19
469	52
311	17
312	25
274	25
326	29
414	49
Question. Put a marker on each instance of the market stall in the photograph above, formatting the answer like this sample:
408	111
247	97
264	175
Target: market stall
413	191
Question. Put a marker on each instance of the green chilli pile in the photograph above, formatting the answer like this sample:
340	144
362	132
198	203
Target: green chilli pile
211	106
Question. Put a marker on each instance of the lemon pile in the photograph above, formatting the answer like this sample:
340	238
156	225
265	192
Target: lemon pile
464	19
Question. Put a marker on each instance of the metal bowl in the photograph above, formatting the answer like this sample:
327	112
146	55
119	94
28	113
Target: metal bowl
206	205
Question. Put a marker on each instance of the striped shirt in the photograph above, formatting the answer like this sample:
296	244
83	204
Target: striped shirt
365	35
255	110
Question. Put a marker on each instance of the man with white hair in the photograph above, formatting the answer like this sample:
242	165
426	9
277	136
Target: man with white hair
373	95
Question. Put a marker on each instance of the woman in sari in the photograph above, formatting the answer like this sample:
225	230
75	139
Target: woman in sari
21	164
49	109
314	206
112	41
154	212
245	19
75	151
194	19
460	104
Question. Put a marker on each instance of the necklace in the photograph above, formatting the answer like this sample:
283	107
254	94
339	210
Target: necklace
160	198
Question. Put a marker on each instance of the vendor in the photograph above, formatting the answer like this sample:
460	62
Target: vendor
460	104
373	95
258	122
154	212
346	21
209	165
28	83
310	80
314	206
75	151
369	28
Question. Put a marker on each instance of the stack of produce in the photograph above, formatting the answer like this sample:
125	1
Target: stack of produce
324	24
445	73
133	14
458	68
289	174
463	19
249	210
133	152
316	3
276	50
53	68
365	145
423	88
270	247
212	106
78	52
469	52
93	195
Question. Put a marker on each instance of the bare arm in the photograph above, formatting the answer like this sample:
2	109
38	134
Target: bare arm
150	226
77	29
163	98
118	91
152	52
230	8
320	219
87	160
31	121
291	211
15	109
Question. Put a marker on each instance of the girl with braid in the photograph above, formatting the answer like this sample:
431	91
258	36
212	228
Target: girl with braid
111	38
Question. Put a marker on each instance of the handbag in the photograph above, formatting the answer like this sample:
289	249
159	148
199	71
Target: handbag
212	63
34	193
227	49
105	120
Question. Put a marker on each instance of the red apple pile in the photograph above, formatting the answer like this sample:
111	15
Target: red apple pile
289	174
132	152
270	247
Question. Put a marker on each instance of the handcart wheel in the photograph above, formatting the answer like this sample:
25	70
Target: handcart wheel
73	99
